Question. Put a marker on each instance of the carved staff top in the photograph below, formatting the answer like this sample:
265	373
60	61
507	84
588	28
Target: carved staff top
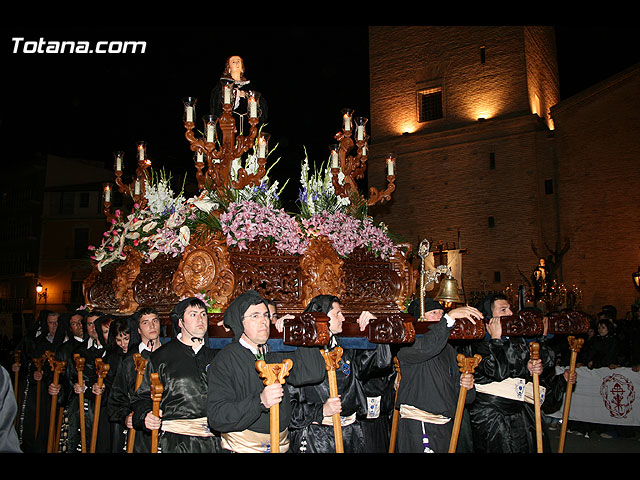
79	361
575	344
468	364
39	362
332	358
16	356
101	369
156	389
274	372
534	351
140	363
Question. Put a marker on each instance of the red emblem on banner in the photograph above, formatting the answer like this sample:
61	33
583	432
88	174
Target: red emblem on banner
618	395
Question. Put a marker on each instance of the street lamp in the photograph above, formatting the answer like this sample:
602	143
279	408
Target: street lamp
42	292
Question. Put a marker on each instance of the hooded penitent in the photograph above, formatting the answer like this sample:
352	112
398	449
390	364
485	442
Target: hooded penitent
235	311
322	303
429	304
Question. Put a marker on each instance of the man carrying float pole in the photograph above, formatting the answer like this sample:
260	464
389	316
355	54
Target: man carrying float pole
239	403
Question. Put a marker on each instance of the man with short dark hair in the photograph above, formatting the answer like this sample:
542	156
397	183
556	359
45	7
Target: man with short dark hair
182	365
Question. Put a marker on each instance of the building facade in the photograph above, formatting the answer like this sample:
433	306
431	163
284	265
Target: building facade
471	114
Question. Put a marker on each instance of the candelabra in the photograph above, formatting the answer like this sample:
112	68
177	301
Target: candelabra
214	155
354	166
137	186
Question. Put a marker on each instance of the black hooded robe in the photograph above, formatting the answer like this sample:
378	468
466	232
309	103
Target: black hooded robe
430	381
235	385
357	368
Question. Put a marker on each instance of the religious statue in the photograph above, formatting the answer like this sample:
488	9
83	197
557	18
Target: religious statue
242	90
541	280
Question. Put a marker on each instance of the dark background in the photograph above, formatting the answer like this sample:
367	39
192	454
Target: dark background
90	105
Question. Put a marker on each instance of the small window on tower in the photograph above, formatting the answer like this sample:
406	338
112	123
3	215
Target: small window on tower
429	104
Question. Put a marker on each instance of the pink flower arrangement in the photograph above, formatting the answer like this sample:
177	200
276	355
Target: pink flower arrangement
247	221
347	233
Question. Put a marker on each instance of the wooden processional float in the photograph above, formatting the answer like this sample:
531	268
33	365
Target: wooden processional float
363	281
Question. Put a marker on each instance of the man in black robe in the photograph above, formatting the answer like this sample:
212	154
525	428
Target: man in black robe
90	349
239	402
430	381
144	339
502	415
313	407
182	365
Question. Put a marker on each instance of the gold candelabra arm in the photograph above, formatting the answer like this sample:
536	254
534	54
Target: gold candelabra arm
382	196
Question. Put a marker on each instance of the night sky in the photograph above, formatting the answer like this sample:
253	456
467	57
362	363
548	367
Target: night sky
91	105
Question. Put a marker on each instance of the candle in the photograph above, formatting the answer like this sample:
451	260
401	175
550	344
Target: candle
335	158
227	94
136	187
199	157
347	122
107	193
262	145
141	152
118	161
253	107
189	113
390	166
210	132
360	128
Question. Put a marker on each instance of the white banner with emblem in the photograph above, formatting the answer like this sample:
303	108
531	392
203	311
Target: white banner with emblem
604	395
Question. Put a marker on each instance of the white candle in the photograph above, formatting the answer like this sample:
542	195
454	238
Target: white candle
141	152
227	94
253	108
107	195
199	157
189	114
210	132
335	159
118	163
360	132
390	165
136	187
347	122
262	148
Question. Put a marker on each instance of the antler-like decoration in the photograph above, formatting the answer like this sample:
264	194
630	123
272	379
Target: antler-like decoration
353	167
272	373
220	155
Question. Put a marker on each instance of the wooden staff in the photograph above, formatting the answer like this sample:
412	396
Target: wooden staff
156	396
101	369
396	412
80	361
332	360
534	351
58	368
140	365
38	362
274	372
467	365
575	344
16	360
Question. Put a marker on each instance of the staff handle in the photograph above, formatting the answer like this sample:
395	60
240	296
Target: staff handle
272	373
534	353
140	364
102	369
575	344
396	412
332	360
58	368
156	396
467	365
80	362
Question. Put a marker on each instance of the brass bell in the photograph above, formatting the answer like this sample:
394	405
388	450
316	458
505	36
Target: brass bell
449	291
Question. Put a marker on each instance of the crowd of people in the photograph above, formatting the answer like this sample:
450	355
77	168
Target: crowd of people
123	387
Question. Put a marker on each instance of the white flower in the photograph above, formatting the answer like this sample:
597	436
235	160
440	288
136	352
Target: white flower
184	235
149	226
